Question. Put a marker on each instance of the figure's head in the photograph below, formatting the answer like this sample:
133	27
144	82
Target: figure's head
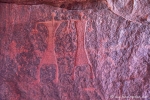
53	14
81	15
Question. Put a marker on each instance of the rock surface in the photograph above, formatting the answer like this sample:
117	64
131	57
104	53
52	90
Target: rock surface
133	10
136	11
81	52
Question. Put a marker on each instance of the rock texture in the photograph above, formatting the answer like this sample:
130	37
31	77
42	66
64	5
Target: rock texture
96	50
133	10
136	11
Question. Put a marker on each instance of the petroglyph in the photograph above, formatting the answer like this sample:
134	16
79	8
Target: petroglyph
13	49
49	56
81	53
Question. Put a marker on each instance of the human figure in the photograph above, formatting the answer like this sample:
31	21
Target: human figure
81	53
49	56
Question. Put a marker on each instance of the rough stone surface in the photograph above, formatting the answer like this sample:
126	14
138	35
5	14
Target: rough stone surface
136	11
101	52
133	10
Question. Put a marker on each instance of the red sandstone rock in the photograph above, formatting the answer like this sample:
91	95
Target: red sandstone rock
133	10
50	53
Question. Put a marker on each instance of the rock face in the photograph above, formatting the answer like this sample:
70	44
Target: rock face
88	51
133	10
